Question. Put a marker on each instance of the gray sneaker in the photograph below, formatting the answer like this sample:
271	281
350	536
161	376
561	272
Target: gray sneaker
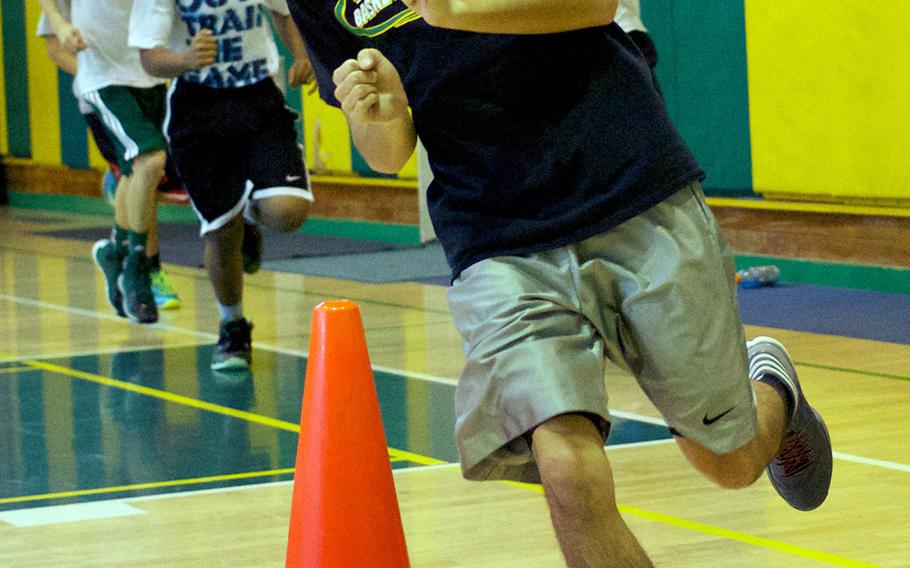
801	471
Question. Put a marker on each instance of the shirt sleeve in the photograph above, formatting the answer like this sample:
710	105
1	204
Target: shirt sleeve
327	44
45	28
152	23
278	6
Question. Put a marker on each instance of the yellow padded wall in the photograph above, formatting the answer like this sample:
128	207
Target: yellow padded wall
829	89
44	104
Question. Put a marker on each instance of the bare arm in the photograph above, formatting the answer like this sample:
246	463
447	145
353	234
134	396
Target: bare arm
301	71
60	56
376	106
69	36
515	16
163	62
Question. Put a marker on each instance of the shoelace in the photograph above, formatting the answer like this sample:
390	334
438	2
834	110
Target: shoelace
795	455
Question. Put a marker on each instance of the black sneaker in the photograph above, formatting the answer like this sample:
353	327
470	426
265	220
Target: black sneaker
234	349
801	470
109	261
135	285
251	248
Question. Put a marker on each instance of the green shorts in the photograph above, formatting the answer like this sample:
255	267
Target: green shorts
132	117
655	296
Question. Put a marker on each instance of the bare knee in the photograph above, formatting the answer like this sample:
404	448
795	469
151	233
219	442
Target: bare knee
734	470
150	163
570	457
283	213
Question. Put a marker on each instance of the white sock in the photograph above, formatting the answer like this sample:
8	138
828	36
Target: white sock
230	313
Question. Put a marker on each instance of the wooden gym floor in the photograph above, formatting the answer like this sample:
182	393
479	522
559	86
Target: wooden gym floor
119	447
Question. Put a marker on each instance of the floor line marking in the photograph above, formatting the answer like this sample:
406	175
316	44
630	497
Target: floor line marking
394	453
852	371
139	486
872	461
745	538
72	513
11	370
202	480
93	352
165	395
422	376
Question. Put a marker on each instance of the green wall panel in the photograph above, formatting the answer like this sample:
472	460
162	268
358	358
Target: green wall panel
15	67
702	70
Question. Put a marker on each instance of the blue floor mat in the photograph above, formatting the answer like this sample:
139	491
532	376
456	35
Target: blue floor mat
827	310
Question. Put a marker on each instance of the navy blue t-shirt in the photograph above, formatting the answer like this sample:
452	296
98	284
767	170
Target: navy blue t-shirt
535	141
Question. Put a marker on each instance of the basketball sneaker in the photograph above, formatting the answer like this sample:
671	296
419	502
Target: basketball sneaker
166	297
251	248
109	260
234	349
109	187
135	285
801	471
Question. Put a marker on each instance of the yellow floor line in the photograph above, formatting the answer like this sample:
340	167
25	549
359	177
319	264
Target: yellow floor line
150	485
165	395
745	538
396	455
10	370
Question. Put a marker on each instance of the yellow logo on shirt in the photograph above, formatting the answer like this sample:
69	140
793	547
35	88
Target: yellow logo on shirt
370	18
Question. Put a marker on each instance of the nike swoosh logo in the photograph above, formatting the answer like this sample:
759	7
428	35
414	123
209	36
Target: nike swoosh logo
292	178
708	421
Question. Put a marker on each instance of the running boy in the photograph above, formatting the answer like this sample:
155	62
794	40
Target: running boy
230	133
130	103
162	290
571	213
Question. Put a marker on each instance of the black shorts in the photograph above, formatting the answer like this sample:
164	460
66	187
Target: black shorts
234	145
102	140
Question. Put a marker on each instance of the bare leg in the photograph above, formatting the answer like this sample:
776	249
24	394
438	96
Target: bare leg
153	247
578	484
284	213
741	467
121	216
224	261
147	171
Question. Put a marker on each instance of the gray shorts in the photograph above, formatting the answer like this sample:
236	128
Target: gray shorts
654	296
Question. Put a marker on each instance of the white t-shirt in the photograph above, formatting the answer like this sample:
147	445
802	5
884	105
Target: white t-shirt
628	16
45	29
247	52
104	25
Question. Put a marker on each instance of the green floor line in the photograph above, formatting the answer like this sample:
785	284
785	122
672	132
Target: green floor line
852	371
802	271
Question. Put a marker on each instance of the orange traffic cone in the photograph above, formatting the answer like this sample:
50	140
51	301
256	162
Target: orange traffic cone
344	511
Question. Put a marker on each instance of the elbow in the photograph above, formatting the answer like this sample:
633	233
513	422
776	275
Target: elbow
147	59
386	164
151	62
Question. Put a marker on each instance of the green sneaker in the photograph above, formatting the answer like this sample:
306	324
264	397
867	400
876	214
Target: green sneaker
166	297
135	284
234	349
110	263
